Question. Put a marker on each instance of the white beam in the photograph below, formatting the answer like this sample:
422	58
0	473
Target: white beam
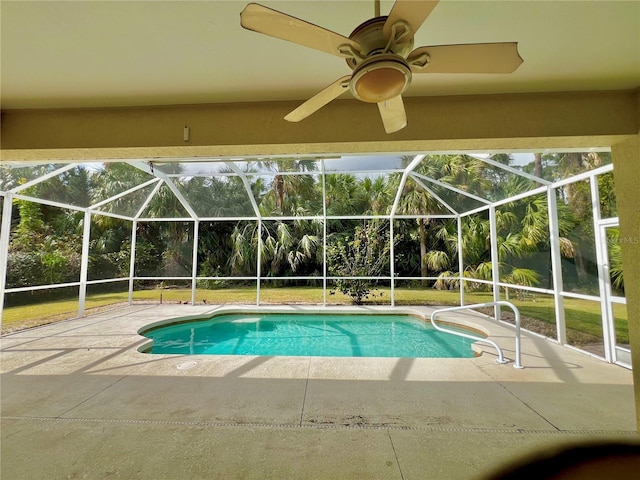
520	196
460	260
556	264
259	262
392	262
510	169
247	187
495	261
180	197
413	164
194	264
148	167
132	259
436	196
52	203
122	194
324	234
146	203
5	231
452	188
42	178
583	176
84	262
604	281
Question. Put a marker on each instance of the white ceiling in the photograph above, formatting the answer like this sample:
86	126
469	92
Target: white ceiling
122	53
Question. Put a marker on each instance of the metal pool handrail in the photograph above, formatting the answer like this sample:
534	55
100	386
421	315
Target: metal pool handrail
501	359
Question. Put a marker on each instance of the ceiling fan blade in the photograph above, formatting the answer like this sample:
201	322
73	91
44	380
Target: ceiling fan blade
320	99
414	12
466	58
393	115
280	25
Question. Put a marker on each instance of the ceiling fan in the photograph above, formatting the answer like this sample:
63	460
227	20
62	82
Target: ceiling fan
381	56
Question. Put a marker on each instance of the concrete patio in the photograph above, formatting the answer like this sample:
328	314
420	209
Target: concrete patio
79	400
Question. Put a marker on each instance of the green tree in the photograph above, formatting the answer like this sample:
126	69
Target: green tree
343	194
522	233
615	258
363	254
244	248
377	194
291	248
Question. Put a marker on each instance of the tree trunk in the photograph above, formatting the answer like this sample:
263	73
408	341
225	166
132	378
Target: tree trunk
424	271
279	186
581	269
571	163
537	166
580	203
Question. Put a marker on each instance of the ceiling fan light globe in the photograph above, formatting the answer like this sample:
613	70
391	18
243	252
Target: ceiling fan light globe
380	85
380	80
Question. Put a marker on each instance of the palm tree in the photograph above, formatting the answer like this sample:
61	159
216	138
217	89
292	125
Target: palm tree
291	194
522	233
291	247
244	247
168	240
461	171
378	196
417	201
614	249
441	256
343	194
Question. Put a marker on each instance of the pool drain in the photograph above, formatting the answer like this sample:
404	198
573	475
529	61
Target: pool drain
186	365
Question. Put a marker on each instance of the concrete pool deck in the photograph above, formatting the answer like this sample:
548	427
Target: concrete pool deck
78	400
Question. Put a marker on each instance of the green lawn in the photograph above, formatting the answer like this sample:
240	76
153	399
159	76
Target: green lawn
581	315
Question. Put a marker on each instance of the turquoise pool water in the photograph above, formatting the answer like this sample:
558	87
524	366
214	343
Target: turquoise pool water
309	335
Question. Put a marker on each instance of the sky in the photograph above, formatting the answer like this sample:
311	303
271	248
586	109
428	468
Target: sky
375	163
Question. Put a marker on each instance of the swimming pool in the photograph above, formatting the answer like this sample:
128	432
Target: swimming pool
334	335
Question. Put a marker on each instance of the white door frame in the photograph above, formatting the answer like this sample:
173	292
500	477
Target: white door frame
613	352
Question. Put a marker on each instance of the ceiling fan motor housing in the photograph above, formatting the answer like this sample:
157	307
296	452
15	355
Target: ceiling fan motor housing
380	78
369	35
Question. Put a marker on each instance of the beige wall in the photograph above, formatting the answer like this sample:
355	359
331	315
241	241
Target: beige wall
489	122
435	124
626	160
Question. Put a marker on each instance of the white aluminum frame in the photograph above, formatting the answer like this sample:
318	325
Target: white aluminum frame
160	178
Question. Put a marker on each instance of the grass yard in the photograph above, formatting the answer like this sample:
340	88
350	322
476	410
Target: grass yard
582	316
